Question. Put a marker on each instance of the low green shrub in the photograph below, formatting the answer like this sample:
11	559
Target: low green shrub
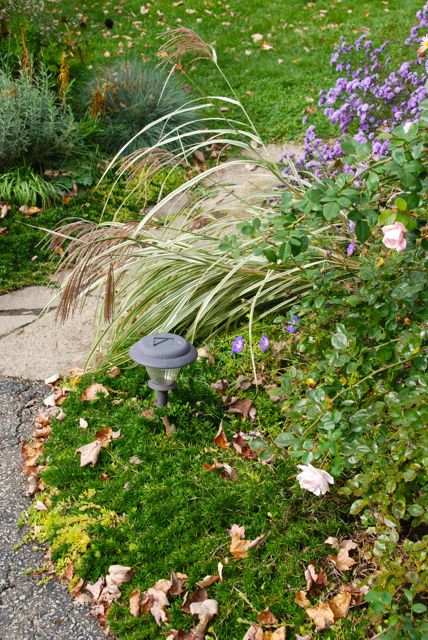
128	96
35	128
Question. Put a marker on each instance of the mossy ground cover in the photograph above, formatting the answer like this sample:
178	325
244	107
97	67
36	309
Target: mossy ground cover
168	513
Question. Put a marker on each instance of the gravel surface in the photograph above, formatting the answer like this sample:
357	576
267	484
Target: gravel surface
28	611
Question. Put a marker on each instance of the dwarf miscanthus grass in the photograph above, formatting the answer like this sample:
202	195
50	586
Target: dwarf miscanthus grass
370	97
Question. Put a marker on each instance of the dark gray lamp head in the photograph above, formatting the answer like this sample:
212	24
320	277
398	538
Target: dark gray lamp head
163	355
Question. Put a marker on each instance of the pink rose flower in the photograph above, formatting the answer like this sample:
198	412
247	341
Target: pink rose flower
394	236
314	480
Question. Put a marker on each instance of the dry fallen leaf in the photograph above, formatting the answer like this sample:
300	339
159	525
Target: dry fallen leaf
242	447
169	428
207	581
266	617
343	561
205	611
256	37
220	438
77	588
221	385
120	574
29	211
53	378
134	603
255	632
106	435
155	601
226	471
314	579
177	583
239	547
135	460
203	353
93	392
114	372
302	600
241	406
199	595
243	383
340	605
96	588
322	615
89	453
148	414
278	634
83	424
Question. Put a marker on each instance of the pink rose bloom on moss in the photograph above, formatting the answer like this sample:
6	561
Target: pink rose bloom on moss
394	236
314	480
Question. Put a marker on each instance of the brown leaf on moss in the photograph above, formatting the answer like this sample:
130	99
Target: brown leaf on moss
239	547
134	603
221	385
89	453
314	578
120	574
177	583
203	353
240	406
340	605
278	634
155	601
114	372
242	447
255	632
106	435
267	617
343	560
302	600
205	611
226	471
199	595
322	615
243	383
220	438
169	428
148	414
93	392
207	581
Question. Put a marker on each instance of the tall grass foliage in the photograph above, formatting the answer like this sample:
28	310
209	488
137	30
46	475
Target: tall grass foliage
169	270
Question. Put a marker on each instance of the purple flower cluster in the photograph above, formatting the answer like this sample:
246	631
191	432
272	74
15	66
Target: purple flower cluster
239	343
369	98
291	327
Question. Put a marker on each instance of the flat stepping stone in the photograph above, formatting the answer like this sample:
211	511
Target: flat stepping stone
33	345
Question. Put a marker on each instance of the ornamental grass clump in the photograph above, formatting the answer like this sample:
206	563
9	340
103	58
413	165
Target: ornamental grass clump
127	96
370	97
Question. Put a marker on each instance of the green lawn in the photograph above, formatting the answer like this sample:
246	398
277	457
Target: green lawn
167	514
276	85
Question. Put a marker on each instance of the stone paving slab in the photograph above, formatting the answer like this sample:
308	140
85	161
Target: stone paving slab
43	346
28	611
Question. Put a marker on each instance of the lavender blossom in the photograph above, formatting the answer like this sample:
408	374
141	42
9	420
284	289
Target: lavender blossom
351	248
238	344
264	343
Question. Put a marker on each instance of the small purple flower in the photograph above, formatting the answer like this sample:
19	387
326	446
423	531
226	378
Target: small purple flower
264	343
291	328
351	226
238	344
350	249
295	319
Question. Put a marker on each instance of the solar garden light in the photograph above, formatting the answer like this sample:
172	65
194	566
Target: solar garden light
163	355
